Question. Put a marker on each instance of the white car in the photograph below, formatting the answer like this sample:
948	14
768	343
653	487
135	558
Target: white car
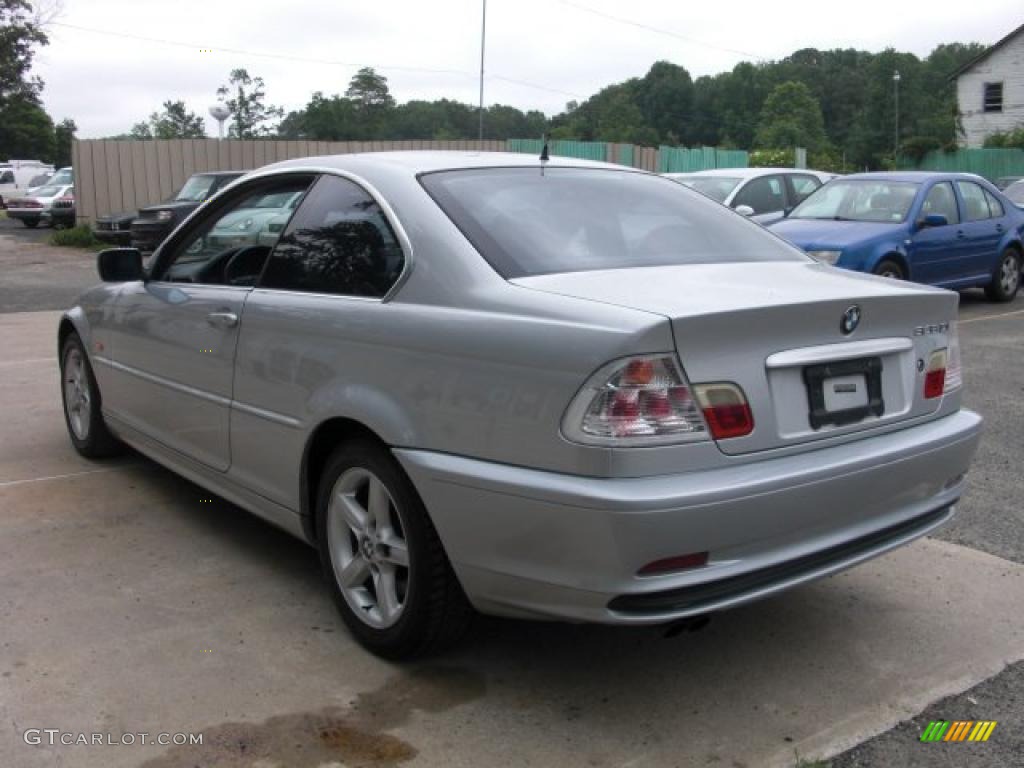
37	207
766	195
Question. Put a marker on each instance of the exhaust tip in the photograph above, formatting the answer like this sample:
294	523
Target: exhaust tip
689	624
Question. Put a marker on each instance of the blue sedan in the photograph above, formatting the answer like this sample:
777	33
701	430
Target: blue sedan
953	230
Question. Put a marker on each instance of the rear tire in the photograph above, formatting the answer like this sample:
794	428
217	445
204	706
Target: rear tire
387	569
30	223
82	405
891	269
1006	278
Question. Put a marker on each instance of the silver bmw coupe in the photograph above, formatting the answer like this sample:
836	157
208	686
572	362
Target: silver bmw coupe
540	389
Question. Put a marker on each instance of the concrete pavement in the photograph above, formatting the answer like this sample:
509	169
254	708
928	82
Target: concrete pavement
133	601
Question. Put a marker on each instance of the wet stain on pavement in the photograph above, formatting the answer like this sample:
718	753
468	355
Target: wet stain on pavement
355	736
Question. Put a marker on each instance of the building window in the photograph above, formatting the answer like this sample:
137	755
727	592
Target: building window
993	97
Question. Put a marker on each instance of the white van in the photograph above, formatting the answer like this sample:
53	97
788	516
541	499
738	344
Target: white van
15	176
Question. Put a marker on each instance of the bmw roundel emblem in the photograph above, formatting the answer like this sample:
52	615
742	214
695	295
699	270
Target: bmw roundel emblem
851	319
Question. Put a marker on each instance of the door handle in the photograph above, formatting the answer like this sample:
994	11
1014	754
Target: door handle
960	234
999	227
222	319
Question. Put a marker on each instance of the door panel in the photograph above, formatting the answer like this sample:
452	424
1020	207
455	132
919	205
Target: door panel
937	253
172	365
981	232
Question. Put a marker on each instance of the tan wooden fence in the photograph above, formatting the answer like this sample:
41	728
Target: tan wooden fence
124	175
127	174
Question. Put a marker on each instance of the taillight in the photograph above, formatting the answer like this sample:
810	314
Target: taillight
725	409
638	401
935	374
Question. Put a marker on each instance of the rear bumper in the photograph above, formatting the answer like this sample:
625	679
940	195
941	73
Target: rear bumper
531	543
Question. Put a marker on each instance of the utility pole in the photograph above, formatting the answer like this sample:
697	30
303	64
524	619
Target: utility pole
483	40
896	129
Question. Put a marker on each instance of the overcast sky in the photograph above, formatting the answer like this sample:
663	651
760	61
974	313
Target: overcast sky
557	49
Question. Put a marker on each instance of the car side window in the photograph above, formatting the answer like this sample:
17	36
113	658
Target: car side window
338	242
941	200
7	177
763	194
231	244
975	204
803	186
995	208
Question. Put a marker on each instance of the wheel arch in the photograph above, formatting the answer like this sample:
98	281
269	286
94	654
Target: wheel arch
322	441
73	321
890	253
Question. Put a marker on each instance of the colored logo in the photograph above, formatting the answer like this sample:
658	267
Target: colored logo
958	730
851	319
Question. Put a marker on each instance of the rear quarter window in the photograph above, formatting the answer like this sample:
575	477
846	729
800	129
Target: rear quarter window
527	222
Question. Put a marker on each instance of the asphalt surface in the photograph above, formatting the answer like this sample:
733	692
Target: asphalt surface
768	672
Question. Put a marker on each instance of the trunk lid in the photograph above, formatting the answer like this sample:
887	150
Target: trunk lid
774	328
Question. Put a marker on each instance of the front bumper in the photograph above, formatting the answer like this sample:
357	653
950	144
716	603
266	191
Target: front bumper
146	236
538	544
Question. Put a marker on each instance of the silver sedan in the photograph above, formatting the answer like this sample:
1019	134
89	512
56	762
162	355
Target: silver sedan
548	390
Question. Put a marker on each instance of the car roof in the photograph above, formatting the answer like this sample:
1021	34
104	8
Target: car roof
744	173
912	176
417	161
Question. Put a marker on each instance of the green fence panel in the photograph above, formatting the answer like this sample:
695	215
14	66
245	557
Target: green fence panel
585	150
684	160
989	163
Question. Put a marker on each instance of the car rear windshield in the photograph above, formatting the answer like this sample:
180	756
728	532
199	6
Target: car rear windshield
715	187
859	200
525	221
1015	192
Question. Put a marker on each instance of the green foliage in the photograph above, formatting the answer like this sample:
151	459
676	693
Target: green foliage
76	237
916	147
250	117
25	130
1008	140
772	158
63	133
173	122
791	117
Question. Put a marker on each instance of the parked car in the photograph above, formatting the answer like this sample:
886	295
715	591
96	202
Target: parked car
37	209
482	380
250	226
954	230
764	194
147	227
1005	181
1015	193
16	177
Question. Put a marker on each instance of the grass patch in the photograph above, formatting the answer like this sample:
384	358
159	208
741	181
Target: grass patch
77	237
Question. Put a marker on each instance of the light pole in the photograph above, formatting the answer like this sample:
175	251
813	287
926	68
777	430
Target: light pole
483	40
896	129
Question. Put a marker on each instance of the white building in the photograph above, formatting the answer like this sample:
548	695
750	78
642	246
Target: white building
990	90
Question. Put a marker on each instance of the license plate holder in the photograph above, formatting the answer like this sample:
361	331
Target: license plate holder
815	377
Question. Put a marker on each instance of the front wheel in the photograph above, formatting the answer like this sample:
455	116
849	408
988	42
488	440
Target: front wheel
891	269
30	223
81	398
1006	279
388	572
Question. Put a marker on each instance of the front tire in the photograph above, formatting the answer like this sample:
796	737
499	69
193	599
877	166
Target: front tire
891	269
388	573
1006	279
81	398
30	223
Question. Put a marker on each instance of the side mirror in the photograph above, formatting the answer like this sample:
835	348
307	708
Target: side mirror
744	210
933	220
119	265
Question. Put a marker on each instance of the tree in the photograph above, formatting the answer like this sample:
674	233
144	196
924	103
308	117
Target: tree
25	128
369	90
665	98
791	117
174	122
244	95
63	134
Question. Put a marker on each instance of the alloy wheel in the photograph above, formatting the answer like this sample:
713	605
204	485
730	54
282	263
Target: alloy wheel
367	547
1009	274
77	395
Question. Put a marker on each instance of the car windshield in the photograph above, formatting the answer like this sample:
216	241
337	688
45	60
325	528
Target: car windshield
62	176
196	189
277	200
859	200
716	187
1015	192
529	221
